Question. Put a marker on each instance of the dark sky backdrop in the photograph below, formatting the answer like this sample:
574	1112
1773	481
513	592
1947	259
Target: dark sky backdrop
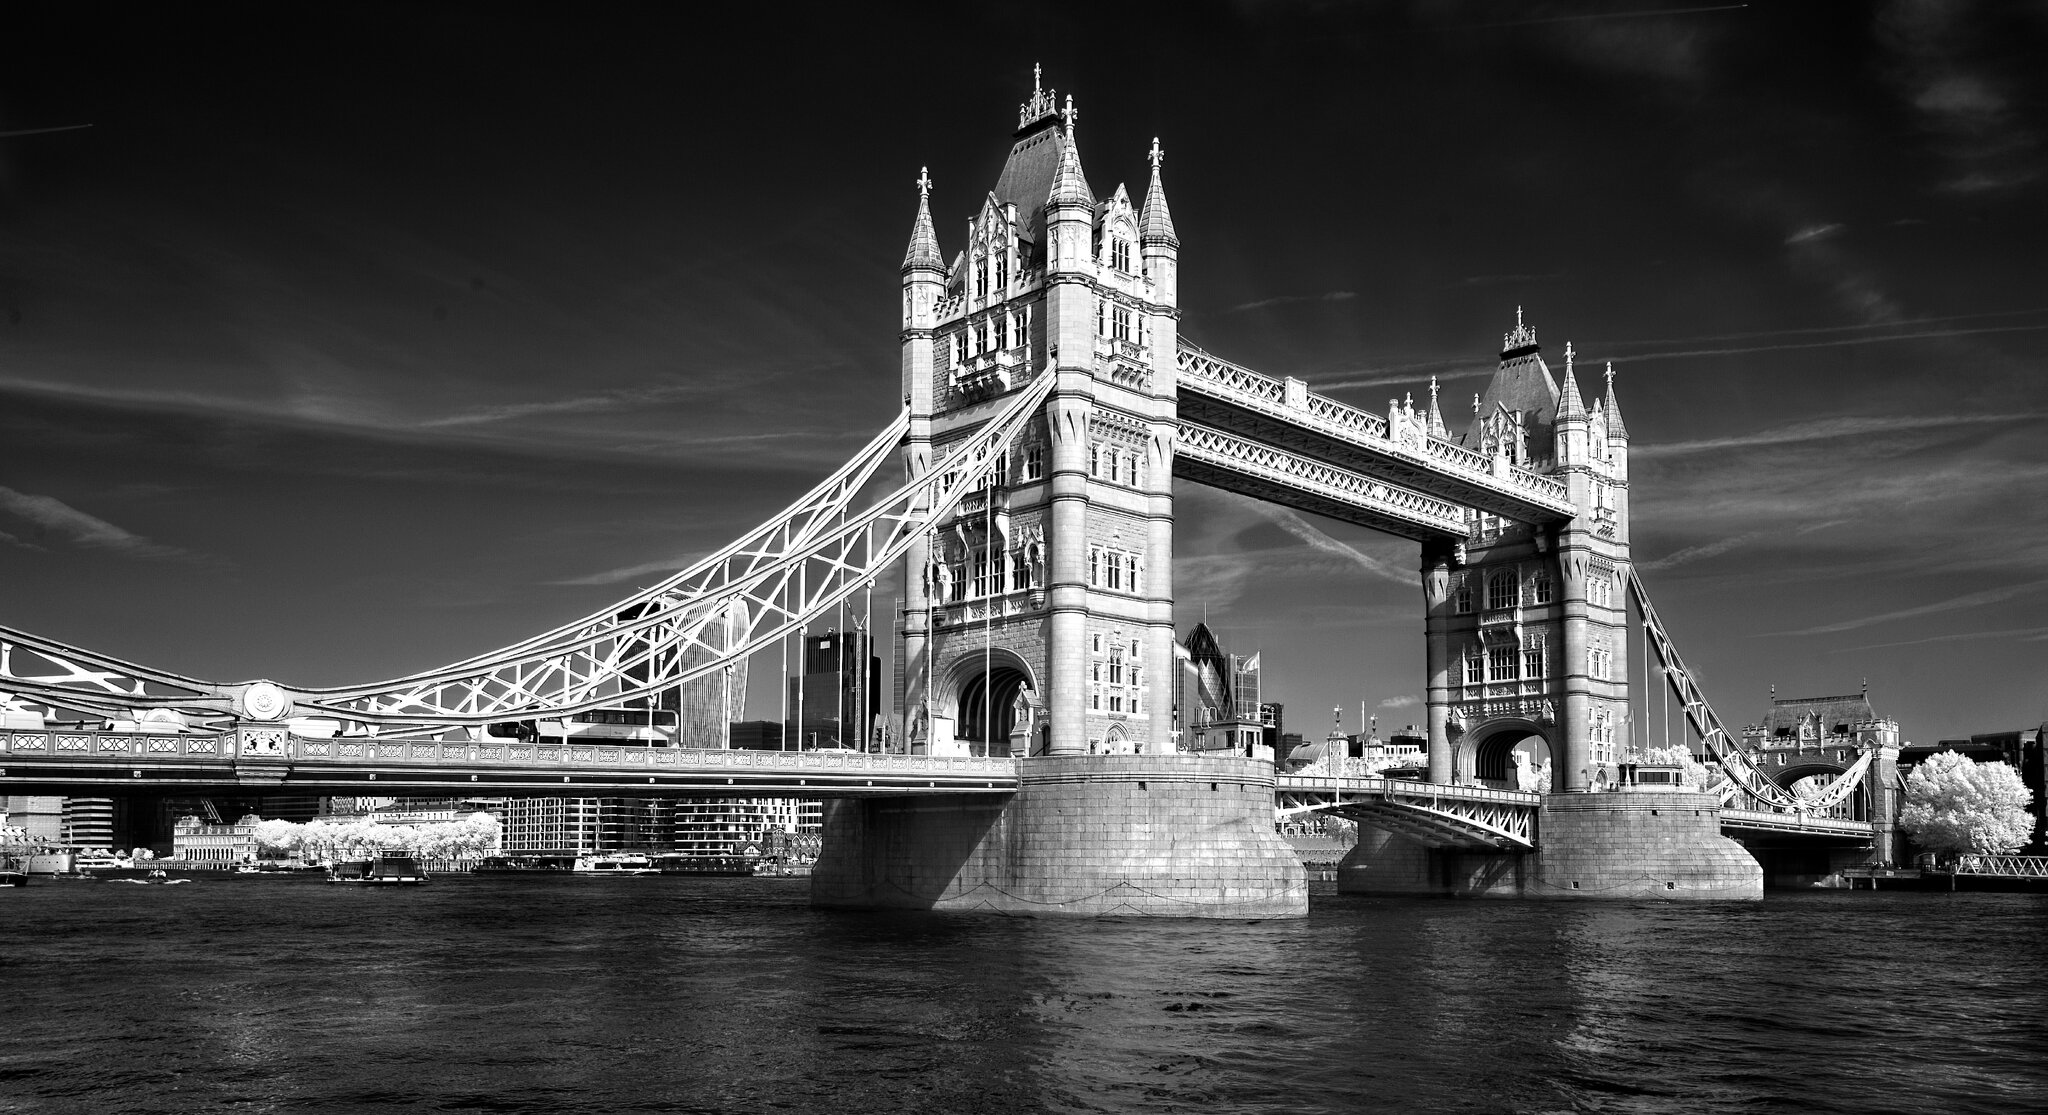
353	341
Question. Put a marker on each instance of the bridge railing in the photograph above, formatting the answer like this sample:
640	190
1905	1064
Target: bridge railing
1356	784
2016	867
122	747
1810	824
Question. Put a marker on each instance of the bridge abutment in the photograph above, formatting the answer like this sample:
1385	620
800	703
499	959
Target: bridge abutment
1102	835
1630	845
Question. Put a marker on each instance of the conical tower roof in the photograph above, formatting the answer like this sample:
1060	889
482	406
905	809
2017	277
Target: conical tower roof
1615	428
1570	404
1069	185
1155	224
924	239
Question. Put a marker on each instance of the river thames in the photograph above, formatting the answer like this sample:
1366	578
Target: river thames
525	994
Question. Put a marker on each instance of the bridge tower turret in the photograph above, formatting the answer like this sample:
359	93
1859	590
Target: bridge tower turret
1526	624
924	288
1049	595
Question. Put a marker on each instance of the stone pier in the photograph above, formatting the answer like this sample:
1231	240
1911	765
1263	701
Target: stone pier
1107	835
1632	845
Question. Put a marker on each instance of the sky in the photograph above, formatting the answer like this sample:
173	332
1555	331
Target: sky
353	340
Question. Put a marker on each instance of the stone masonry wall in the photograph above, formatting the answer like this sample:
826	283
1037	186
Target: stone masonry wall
1617	845
1132	835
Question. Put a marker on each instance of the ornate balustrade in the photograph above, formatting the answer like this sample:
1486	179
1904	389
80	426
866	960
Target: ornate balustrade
1291	402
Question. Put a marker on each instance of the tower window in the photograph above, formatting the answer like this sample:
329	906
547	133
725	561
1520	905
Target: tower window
1475	665
1461	597
1003	271
1002	331
1120	254
1540	589
981	278
1500	663
1503	590
1034	462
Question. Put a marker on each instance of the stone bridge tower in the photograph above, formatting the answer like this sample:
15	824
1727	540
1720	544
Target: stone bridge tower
1039	619
1527	626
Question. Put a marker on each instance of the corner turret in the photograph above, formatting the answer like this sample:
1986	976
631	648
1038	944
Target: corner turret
924	286
1159	243
1572	420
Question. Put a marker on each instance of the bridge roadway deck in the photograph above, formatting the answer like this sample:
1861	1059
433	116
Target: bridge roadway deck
274	761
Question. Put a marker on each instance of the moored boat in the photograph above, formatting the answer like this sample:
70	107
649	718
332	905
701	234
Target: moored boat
391	869
616	863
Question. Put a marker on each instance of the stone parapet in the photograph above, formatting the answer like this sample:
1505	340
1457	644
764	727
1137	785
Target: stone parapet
1108	835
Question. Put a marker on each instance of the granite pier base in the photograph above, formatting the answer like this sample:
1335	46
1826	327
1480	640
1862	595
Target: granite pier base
1631	845
1089	836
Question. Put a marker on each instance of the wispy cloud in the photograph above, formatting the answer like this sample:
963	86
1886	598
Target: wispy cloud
1506	280
2018	634
1951	71
1406	700
1294	524
646	570
597	403
1706	550
79	528
1838	342
1588	17
1827	429
1952	604
1285	299
1813	232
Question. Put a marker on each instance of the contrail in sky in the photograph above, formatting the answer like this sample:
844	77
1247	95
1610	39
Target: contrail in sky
40	131
1464	368
1839	342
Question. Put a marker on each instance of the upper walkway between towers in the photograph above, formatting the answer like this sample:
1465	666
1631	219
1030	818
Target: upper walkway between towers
1275	439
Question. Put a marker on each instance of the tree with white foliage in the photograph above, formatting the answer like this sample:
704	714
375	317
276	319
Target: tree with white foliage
280	836
1955	804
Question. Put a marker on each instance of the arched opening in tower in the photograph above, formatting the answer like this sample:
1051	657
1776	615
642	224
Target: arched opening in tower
989	701
1513	759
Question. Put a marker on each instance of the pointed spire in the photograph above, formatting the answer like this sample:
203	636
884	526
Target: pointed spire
1069	185
1615	428
924	240
1155	224
1436	415
1570	404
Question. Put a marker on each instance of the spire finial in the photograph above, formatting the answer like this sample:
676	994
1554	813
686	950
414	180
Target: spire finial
1610	376
1432	391
1519	338
1567	356
1157	156
1475	402
1070	115
924	183
1041	105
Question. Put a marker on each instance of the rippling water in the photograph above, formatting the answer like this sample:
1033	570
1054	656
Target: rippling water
257	994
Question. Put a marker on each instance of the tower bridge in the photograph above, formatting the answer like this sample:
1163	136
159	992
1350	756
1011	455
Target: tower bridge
1049	408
